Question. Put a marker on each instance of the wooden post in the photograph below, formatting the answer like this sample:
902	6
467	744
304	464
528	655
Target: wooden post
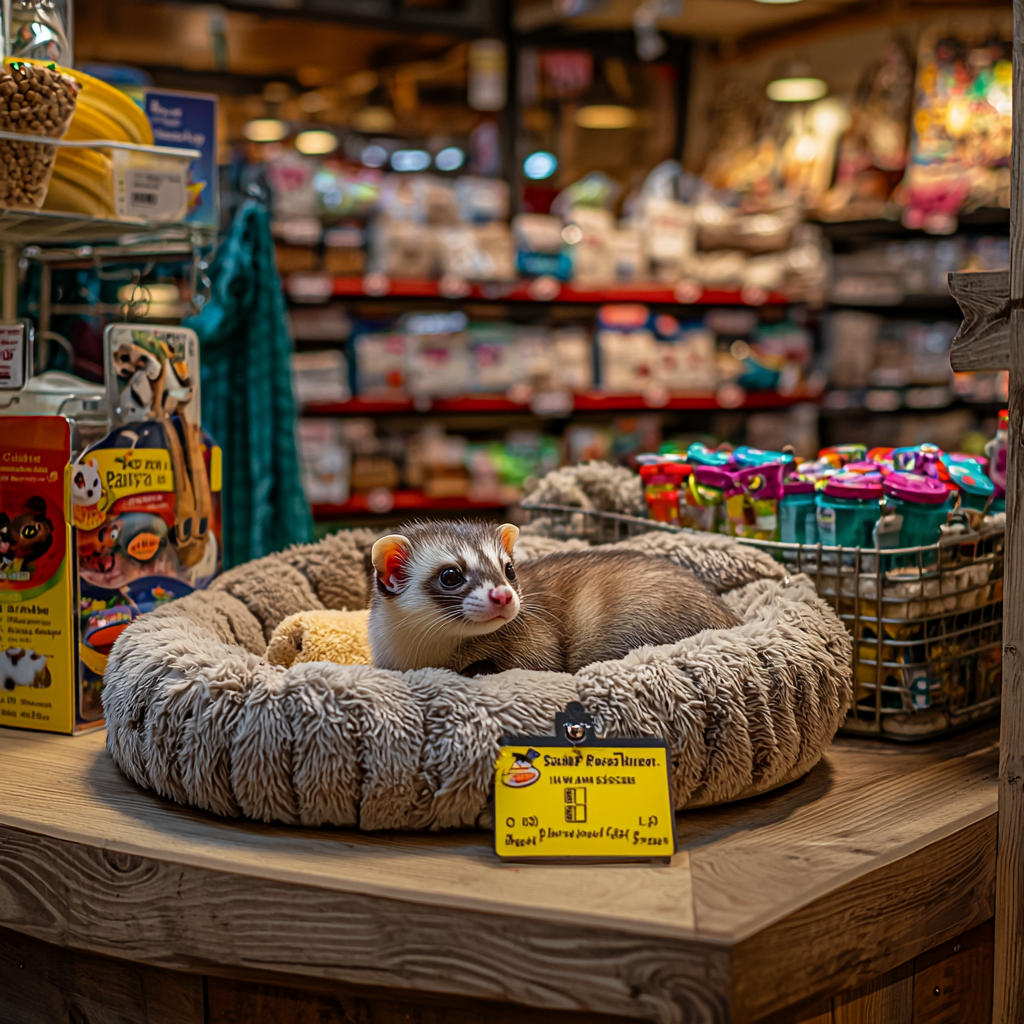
1008	1005
12	253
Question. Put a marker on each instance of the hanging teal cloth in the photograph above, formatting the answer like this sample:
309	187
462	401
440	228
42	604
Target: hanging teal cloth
248	407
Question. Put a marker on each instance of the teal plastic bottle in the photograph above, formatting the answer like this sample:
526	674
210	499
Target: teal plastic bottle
848	508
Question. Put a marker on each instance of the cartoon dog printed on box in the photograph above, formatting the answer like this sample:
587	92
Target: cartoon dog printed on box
25	538
21	667
88	504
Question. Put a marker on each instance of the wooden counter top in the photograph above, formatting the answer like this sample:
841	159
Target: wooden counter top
880	853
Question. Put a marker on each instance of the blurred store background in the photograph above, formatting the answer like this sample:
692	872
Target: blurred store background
517	235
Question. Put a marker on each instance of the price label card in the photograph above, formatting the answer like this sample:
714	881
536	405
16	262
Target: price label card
152	194
13	356
593	798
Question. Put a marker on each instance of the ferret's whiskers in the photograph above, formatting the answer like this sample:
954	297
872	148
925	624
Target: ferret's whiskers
435	627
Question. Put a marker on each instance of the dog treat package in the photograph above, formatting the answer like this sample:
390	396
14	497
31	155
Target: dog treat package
37	578
146	499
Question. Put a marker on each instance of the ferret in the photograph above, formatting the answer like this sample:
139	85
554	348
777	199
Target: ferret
449	595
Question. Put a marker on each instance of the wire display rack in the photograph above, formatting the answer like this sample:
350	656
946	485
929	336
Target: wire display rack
926	621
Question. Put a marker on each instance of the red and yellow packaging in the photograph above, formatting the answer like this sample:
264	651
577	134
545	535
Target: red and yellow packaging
38	673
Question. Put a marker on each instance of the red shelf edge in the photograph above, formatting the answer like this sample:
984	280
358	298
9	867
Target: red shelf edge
590	402
352	287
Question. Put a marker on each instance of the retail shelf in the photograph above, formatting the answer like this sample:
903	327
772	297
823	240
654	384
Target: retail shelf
400	501
320	288
922	398
593	401
987	221
922	303
23	227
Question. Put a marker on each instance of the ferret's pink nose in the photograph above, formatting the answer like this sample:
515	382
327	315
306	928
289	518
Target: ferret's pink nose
501	595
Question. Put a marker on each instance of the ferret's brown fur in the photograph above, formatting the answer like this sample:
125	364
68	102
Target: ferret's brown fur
573	609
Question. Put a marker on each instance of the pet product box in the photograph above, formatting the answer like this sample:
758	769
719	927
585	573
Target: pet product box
89	542
38	667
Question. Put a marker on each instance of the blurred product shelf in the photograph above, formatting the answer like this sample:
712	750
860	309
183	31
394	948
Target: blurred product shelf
382	502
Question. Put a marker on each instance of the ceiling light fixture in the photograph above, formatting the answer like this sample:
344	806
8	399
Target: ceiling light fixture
410	160
374	156
796	90
605	115
316	142
374	119
265	129
540	165
451	158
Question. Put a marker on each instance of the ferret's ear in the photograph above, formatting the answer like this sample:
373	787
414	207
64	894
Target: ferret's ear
508	534
388	556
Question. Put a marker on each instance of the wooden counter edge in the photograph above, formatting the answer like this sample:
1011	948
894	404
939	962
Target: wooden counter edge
197	920
869	926
200	920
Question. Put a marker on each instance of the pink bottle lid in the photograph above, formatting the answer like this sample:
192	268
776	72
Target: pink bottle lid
863	486
916	487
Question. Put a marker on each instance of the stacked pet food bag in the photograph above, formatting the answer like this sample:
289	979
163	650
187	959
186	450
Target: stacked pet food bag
848	496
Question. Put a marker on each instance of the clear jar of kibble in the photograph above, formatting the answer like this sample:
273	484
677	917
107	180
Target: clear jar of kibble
35	99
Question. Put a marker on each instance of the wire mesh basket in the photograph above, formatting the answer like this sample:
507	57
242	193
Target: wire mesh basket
926	621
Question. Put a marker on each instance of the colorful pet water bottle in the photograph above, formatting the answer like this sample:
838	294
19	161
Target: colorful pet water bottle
752	501
663	477
922	502
701	455
848	508
840	454
798	514
967	473
705	496
975	488
746	456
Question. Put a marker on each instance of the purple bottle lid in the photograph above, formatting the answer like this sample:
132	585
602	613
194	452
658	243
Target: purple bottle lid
916	487
864	486
712	476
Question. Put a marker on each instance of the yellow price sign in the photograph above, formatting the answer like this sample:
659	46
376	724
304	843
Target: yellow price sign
605	798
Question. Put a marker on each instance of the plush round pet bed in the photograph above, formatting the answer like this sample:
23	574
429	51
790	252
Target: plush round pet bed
196	712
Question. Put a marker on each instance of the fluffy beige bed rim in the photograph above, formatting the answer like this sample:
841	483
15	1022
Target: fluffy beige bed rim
197	714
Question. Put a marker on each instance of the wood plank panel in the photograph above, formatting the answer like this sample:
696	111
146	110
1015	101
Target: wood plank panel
874	924
953	982
44	984
194	919
983	341
865	823
240	1002
886	1000
1008	1007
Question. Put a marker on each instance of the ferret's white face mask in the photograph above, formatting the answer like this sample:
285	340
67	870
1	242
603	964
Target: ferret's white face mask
450	586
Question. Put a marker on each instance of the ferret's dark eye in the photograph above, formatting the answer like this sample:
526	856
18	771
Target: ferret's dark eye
510	573
451	578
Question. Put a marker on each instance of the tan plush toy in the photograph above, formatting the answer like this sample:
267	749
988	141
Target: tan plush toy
321	635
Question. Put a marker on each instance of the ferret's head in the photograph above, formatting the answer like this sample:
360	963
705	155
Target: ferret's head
455	579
